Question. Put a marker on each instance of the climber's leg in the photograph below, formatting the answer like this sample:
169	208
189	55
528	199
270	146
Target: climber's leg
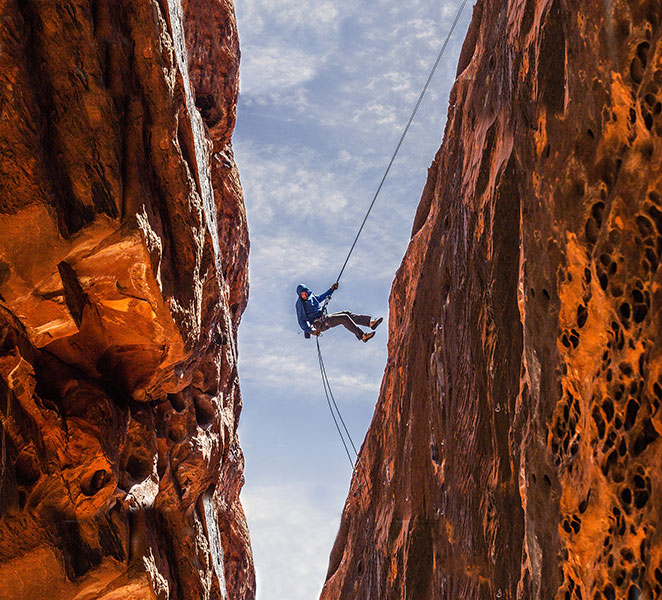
345	319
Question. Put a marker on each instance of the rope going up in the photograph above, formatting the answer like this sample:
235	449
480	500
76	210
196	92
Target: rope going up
404	133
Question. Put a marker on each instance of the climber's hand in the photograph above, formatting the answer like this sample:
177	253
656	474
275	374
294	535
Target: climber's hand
334	287
314	332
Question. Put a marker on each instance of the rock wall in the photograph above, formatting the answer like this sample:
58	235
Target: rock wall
515	450
123	276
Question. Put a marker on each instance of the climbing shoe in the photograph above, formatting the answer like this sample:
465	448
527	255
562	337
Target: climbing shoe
376	323
367	336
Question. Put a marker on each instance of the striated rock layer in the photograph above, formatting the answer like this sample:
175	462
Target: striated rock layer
515	450
123	276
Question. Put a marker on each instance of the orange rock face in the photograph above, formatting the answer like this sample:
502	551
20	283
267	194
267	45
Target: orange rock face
123	276
515	450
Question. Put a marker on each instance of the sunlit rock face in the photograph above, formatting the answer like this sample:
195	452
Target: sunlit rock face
123	276
515	450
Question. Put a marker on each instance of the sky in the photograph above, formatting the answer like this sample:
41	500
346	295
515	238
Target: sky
326	90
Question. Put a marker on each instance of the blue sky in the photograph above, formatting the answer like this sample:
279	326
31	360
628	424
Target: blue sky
326	88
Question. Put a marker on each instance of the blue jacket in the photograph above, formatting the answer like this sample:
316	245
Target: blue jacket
311	309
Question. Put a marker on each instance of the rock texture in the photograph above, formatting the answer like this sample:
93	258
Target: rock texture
515	450
123	276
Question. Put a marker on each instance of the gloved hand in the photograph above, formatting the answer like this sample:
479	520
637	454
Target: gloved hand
334	287
314	332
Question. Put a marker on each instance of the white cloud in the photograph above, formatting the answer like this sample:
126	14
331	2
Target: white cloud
277	67
292	534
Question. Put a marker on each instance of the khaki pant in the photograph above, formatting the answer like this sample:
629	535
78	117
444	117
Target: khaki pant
347	319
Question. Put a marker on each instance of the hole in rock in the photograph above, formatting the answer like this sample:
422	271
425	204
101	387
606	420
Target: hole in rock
622	448
631	414
624	310
94	482
548	481
600	424
634	593
640	498
642	52
582	316
652	258
590	133
138	467
611	461
608	407
647	436
626	496
648	121
178	401
545	293
27	469
597	210
656	215
204	410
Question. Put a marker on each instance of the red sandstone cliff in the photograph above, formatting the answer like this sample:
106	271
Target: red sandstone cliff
515	450
123	276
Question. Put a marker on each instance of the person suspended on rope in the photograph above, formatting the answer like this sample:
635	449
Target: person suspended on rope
313	320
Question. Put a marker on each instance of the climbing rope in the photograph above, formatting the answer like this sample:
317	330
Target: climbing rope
331	401
404	133
327	388
373	577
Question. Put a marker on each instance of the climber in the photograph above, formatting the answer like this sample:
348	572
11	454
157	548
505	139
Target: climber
313	319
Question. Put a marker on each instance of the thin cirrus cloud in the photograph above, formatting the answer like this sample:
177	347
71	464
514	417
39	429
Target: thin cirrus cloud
326	88
278	67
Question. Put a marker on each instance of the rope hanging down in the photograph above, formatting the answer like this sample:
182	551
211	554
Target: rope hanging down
331	401
404	133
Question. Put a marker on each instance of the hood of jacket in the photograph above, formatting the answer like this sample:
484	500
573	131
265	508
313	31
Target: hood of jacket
303	288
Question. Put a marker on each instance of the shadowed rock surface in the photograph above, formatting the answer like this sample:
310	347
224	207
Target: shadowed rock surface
123	276
515	450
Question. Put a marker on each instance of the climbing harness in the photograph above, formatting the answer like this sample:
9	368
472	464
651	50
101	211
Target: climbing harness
372	584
